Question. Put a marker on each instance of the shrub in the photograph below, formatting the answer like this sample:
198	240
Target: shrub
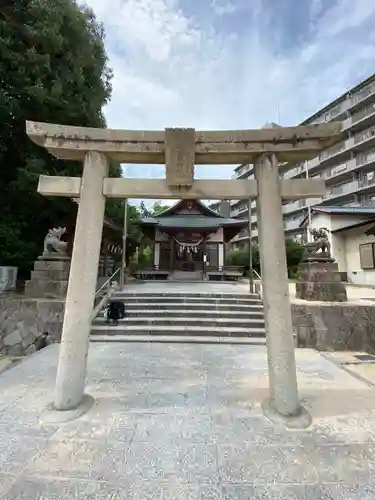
294	253
240	257
145	257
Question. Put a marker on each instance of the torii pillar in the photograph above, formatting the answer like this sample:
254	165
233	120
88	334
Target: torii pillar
283	402
180	149
71	372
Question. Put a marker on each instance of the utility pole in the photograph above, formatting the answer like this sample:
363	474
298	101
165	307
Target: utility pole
251	281
124	237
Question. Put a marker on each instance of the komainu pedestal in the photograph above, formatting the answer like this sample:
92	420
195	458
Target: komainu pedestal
320	281
50	276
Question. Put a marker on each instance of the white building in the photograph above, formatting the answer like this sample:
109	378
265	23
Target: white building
352	237
347	167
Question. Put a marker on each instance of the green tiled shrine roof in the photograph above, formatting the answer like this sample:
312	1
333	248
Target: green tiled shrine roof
192	222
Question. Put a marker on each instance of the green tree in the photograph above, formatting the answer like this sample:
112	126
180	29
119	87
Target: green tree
115	211
240	257
53	69
143	210
157	208
294	254
145	257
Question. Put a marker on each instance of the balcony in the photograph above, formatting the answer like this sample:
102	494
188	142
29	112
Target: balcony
254	217
244	235
365	158
364	117
242	209
293	224
343	189
334	150
364	161
331	114
239	210
301	204
367	181
355	100
364	136
294	206
289	174
329	155
349	188
363	113
363	94
336	170
358	142
242	172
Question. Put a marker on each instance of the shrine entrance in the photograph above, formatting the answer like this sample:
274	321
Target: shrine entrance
189	239
180	150
188	252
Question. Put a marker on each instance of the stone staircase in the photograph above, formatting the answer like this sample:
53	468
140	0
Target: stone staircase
185	317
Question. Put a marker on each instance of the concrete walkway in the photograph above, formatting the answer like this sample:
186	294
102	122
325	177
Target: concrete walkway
355	293
183	422
187	287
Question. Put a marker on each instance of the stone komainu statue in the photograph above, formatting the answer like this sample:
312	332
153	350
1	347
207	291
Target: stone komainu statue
53	243
321	243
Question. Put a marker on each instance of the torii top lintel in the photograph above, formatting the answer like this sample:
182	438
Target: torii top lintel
290	144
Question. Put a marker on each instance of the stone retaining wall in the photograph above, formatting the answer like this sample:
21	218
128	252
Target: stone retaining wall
22	320
335	326
324	326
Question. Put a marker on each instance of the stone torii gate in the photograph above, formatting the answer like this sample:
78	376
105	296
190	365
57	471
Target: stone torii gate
180	150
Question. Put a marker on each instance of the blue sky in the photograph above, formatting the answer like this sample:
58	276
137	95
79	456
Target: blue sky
230	64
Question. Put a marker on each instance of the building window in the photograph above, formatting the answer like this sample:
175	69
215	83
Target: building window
338	169
366	255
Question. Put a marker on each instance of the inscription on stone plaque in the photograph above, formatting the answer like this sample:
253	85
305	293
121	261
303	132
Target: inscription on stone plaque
179	158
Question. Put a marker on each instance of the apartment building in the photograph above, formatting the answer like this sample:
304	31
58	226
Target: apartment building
348	167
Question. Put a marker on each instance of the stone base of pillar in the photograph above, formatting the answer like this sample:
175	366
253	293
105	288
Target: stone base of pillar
300	420
50	277
54	416
320	281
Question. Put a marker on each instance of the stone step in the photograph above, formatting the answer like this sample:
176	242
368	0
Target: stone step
194	306
179	339
247	313
151	299
177	330
190	295
182	322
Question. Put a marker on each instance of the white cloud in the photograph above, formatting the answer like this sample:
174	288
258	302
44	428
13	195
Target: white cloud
223	8
221	71
344	15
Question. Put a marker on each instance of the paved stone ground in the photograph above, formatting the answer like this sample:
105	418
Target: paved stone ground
188	287
184	422
355	294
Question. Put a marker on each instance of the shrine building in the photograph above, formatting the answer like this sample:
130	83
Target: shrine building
190	241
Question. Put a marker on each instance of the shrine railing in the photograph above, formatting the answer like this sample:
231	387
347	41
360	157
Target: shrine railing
108	288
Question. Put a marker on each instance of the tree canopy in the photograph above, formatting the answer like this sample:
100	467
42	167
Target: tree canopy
53	68
158	207
240	257
155	209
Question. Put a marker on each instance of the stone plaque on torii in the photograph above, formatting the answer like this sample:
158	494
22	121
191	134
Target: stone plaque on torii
180	150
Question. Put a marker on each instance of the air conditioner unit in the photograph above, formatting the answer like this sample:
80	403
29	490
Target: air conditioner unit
8	278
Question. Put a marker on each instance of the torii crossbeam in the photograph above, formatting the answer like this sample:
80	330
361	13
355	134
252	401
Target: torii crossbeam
180	150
